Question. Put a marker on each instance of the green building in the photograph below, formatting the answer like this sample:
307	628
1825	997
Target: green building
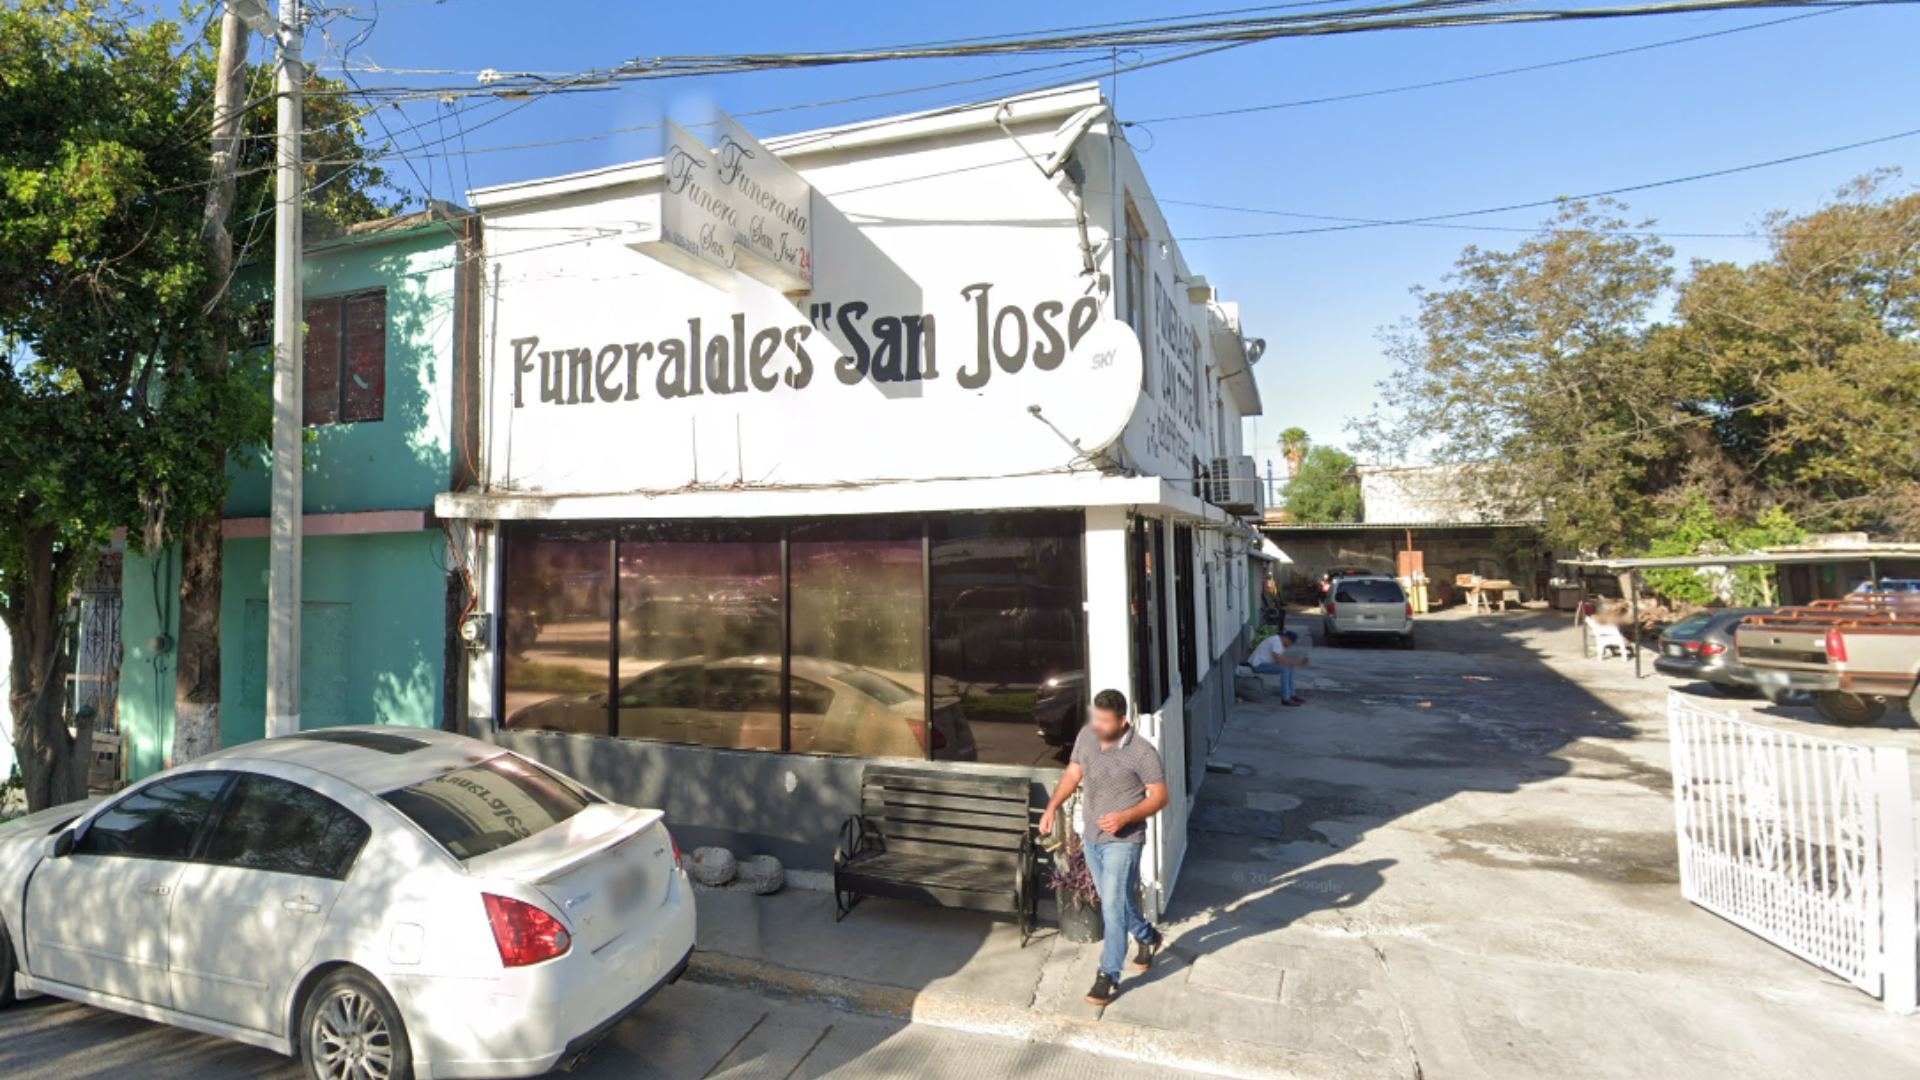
392	317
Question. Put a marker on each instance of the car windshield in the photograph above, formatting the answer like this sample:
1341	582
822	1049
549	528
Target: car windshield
1369	591
488	806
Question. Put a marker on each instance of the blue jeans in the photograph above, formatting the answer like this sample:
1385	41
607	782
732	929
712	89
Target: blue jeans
1285	671
1116	874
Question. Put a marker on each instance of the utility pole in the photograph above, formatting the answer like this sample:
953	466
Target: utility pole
289	333
196	713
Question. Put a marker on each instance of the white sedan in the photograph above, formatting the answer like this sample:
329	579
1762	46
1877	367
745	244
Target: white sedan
380	902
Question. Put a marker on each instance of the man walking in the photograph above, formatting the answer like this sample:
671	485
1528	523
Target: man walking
1126	784
1270	658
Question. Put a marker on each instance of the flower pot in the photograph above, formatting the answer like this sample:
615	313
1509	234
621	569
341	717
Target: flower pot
1081	925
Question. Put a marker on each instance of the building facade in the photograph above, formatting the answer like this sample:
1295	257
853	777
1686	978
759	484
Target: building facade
390	359
891	441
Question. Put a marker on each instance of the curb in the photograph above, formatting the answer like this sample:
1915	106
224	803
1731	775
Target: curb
954	1012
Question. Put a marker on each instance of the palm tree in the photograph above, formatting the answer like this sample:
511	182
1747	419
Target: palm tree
1293	444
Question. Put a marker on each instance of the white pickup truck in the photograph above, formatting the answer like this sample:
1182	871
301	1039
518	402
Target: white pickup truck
1855	655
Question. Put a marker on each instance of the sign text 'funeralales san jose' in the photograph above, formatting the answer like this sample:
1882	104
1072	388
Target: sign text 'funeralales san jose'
729	356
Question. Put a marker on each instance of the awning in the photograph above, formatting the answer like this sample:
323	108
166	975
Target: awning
1776	557
1039	492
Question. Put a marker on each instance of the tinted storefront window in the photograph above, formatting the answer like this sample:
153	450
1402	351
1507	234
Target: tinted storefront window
725	632
558	629
859	621
700	635
1008	633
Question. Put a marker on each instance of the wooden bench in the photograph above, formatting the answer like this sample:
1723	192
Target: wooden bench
940	838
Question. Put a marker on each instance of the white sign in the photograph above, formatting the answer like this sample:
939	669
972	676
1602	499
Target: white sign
773	219
717	204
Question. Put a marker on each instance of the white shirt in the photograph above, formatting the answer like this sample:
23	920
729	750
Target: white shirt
1269	651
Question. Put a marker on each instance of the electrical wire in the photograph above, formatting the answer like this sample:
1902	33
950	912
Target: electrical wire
1417	14
1457	80
1534	204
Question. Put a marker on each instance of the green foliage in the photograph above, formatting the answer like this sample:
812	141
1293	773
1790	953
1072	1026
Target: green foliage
1325	488
1787	386
118	403
1696	528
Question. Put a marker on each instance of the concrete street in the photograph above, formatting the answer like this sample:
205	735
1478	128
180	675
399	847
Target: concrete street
688	1031
1452	862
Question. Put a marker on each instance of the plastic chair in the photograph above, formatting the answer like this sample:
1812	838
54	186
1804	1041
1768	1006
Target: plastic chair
1605	636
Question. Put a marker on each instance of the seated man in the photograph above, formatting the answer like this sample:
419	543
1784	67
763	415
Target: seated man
1270	657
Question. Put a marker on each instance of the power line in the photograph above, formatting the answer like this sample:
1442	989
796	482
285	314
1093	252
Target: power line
1371	223
1415	14
1478	76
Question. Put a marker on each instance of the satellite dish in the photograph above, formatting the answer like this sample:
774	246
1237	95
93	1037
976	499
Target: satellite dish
1101	377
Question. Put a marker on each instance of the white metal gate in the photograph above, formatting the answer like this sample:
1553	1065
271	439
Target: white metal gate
1807	842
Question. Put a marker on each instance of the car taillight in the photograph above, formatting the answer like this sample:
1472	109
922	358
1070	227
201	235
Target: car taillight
1712	648
1409	609
1329	607
1690	646
524	933
672	843
1836	647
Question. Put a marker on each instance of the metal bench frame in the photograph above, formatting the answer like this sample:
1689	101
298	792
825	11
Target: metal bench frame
940	838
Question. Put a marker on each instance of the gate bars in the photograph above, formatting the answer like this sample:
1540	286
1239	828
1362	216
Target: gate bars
1806	842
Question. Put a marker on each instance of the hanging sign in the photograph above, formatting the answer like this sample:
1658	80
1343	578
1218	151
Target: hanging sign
773	220
718	204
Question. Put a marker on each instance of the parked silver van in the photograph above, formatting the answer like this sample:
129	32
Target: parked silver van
1368	607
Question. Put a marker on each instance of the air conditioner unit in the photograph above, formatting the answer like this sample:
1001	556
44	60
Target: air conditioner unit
1233	485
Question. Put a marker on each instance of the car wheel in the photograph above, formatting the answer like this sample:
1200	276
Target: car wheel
1853	710
1406	641
7	969
1329	635
351	1030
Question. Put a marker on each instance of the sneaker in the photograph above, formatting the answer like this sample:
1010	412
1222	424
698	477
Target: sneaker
1145	951
1293	701
1103	992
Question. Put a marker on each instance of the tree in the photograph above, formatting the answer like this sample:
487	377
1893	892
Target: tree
1814	359
1531	367
343	188
118	400
1324	488
1293	446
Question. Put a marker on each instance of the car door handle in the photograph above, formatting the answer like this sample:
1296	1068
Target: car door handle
304	907
159	890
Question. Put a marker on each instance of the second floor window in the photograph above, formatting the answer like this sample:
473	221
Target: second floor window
346	358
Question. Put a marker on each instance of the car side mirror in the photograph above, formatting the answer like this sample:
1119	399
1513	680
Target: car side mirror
63	844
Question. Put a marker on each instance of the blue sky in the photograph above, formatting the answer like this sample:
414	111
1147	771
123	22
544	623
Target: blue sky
1319	300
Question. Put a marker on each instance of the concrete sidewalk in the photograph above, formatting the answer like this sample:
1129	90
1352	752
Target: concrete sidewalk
1455	862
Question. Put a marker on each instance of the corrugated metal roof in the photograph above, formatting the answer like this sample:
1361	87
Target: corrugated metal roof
1779	556
1398	526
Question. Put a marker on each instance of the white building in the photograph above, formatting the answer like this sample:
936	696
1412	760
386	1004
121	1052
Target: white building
806	455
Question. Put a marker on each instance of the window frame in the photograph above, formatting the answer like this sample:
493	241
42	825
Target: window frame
214	809
1139	310
914	528
217	817
344	339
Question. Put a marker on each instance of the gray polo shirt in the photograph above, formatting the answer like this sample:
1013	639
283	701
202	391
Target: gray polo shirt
1116	779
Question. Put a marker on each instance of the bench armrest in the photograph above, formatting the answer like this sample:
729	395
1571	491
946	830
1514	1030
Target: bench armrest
857	836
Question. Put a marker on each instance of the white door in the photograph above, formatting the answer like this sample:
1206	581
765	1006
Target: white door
247	915
97	917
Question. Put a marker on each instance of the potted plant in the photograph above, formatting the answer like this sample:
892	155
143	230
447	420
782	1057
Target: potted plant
1074	891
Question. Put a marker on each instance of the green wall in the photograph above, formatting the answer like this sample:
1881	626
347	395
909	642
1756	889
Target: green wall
404	460
373	648
374	627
